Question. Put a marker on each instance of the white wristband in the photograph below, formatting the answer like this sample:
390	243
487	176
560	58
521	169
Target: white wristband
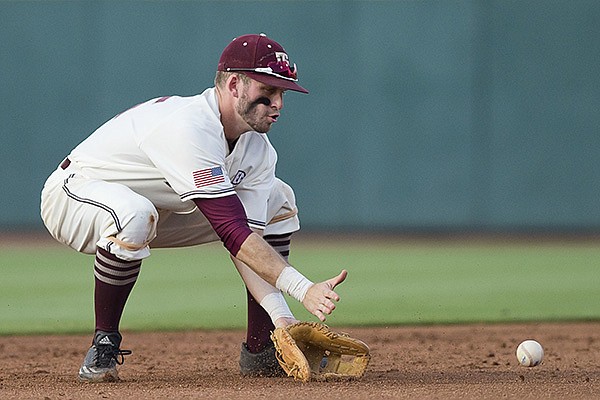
293	283
275	305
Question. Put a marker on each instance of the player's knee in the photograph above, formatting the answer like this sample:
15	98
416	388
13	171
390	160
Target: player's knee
140	224
282	212
138	229
285	192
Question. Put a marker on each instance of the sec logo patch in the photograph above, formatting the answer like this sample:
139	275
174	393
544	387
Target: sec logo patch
238	177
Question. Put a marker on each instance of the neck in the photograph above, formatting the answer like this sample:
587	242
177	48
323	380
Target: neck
233	125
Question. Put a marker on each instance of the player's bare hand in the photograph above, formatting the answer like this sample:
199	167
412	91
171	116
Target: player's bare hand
282	322
320	297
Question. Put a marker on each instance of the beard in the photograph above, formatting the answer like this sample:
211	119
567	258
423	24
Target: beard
252	115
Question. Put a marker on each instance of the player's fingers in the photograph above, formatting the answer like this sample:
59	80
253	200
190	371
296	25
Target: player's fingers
319	315
332	295
327	306
324	309
320	299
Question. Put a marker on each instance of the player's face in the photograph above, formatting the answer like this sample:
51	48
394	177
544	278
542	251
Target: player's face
259	105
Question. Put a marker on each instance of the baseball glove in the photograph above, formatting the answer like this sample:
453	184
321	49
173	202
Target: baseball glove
311	351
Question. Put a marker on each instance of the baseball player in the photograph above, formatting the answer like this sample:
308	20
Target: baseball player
182	171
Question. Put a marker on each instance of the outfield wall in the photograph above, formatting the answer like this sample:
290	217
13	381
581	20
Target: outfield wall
423	115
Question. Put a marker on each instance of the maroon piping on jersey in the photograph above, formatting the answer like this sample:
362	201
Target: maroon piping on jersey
228	218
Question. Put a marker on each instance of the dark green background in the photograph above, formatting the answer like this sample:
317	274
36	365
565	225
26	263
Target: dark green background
423	115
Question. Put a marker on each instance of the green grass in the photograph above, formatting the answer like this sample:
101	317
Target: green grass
50	288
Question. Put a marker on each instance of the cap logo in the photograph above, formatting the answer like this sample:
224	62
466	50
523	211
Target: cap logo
281	56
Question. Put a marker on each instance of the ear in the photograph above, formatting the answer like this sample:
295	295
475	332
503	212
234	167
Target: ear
233	83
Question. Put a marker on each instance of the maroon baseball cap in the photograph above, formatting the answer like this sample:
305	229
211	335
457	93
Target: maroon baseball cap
262	59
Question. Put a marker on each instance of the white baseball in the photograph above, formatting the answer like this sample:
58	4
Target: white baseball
530	353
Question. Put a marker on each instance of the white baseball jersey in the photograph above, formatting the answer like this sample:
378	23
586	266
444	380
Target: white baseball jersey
173	149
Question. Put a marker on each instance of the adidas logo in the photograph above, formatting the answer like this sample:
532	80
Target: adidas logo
105	341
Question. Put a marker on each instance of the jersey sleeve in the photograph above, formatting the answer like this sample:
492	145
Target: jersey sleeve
226	216
191	156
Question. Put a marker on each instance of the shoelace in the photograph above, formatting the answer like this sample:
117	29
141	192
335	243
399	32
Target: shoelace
121	353
108	353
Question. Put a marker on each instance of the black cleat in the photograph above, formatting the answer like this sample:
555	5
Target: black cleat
263	364
101	360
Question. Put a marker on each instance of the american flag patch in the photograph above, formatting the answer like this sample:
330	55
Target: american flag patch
208	176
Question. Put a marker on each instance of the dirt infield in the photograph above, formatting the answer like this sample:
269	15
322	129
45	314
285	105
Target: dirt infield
436	362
